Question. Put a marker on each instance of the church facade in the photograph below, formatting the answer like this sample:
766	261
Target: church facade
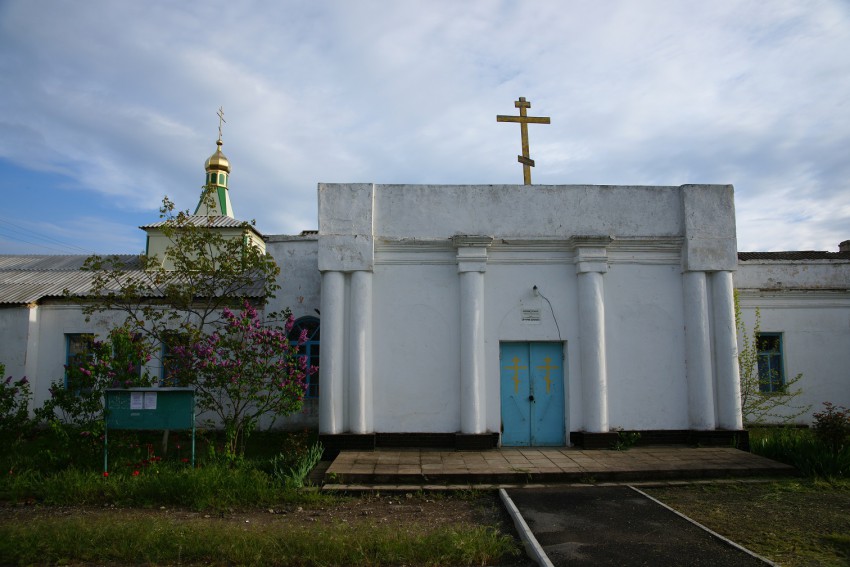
475	315
513	315
524	314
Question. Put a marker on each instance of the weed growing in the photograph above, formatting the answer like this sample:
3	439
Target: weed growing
44	471
800	448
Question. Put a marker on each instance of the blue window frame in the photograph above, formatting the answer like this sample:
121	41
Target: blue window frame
310	349
77	351
770	363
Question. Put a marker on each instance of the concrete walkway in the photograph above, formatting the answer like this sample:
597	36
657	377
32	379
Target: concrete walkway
615	525
517	466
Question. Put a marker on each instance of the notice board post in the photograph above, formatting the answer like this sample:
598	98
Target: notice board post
148	408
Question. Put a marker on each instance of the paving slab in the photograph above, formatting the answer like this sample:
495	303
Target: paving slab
554	465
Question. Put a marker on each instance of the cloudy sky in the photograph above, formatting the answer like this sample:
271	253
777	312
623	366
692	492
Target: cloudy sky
106	106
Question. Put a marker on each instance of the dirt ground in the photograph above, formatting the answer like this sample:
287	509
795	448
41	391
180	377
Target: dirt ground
411	508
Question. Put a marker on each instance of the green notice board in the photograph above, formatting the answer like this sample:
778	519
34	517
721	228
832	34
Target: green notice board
150	408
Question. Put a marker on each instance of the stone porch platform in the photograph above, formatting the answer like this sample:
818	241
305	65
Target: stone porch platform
514	466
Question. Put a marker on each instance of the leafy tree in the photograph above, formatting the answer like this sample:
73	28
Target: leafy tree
240	368
758	406
244	371
183	293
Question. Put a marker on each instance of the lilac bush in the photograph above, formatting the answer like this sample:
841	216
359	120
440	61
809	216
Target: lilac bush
243	371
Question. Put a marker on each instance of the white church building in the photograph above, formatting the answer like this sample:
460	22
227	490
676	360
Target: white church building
483	315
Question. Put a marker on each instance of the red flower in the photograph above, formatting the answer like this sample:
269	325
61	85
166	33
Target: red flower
105	474
185	460
135	473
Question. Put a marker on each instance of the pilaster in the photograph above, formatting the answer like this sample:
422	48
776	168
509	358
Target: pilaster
727	373
471	265
360	353
591	260
698	351
331	371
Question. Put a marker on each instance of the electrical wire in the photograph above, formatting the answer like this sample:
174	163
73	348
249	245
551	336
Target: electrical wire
23	234
552	309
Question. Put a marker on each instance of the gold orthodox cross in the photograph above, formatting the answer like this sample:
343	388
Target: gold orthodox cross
548	368
220	120
516	368
524	121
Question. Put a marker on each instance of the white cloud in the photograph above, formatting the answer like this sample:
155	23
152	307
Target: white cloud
121	98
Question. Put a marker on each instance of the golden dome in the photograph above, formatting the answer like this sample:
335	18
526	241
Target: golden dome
217	161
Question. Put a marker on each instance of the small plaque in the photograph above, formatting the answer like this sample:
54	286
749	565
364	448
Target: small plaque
531	315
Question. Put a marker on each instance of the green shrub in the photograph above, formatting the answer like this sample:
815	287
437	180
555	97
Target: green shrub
832	426
63	464
14	406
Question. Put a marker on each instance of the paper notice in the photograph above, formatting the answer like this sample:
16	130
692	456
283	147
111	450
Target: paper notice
150	400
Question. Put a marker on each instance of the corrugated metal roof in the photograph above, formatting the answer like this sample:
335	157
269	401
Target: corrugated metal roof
794	255
52	263
28	279
204	220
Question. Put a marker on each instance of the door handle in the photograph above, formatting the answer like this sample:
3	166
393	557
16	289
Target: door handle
531	398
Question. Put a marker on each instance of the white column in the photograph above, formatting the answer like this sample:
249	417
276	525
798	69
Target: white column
471	265
331	372
726	352
471	352
591	312
360	353
591	263
698	352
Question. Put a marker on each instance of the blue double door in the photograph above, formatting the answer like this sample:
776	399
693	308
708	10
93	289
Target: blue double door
532	391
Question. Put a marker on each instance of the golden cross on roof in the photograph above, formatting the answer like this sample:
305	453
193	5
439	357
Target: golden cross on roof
220	120
524	121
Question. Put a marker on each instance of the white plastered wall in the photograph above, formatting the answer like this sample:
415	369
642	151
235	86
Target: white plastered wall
300	291
808	302
419	242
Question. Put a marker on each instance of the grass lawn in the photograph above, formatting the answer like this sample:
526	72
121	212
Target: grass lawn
792	522
391	529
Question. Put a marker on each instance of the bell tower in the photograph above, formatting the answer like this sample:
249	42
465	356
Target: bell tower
215	200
